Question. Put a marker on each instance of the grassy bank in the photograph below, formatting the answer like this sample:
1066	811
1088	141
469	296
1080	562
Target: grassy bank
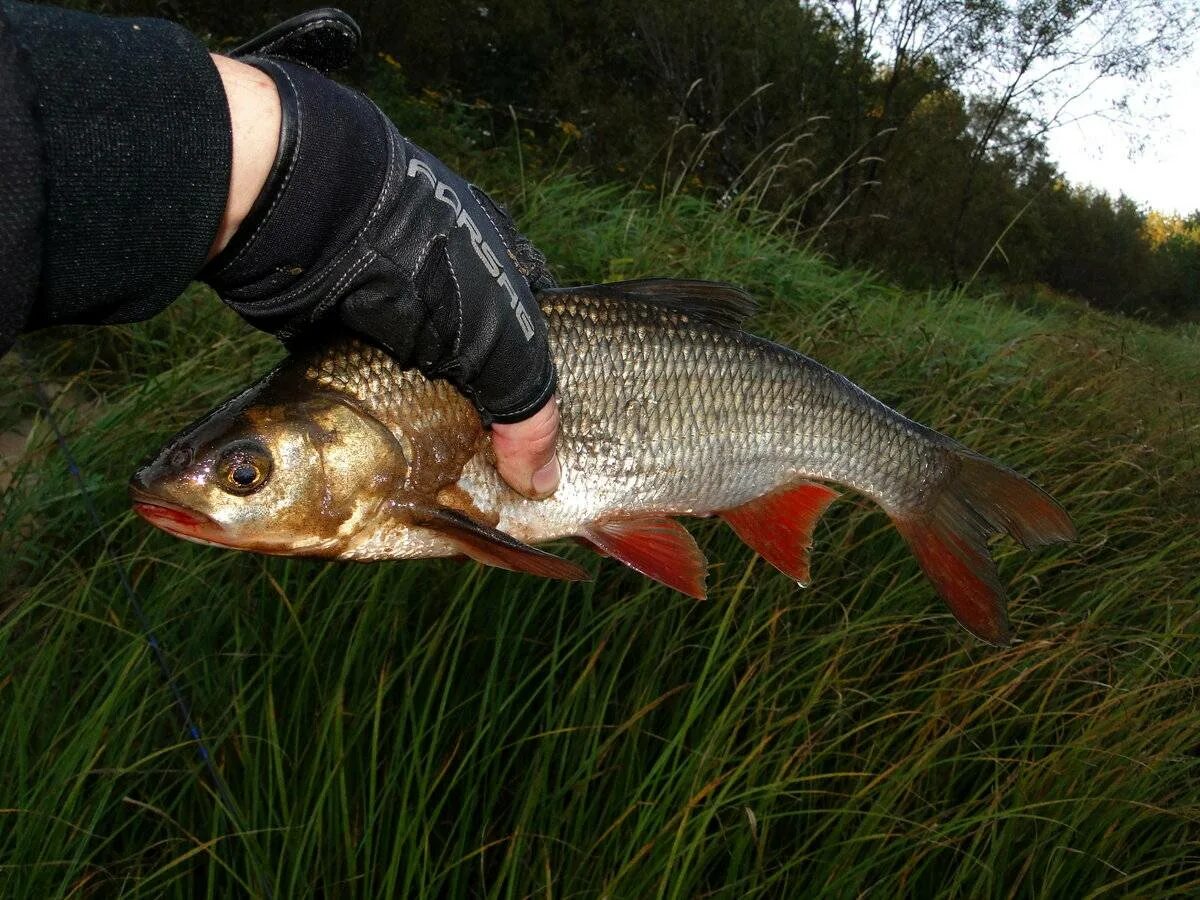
436	729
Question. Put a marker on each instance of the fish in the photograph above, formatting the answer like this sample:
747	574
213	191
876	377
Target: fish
668	409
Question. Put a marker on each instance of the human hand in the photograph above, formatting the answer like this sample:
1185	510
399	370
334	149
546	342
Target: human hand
332	213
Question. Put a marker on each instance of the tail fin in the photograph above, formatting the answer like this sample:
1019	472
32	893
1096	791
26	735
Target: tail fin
949	537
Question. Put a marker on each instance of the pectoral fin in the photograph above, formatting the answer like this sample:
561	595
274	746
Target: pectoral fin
493	547
659	548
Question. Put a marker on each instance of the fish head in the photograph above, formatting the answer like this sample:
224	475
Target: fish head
271	473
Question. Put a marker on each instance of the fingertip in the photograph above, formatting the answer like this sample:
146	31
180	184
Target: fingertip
525	452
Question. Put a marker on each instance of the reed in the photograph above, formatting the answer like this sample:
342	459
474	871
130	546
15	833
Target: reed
432	729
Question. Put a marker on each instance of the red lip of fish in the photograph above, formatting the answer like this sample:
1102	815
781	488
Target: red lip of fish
176	519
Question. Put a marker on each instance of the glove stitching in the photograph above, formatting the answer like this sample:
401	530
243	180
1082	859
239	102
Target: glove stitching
331	296
390	130
458	297
287	176
430	318
530	407
421	257
475	191
363	261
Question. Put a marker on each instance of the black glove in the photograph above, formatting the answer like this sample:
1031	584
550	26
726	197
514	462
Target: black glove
357	222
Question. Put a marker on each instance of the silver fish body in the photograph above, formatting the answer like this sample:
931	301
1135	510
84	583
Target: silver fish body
667	409
662	411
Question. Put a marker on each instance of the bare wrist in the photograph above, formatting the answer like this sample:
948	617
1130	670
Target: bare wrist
254	115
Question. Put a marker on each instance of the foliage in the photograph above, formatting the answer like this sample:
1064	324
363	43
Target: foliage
904	135
434	729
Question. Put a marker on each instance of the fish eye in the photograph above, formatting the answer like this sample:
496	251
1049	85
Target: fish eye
243	467
244	474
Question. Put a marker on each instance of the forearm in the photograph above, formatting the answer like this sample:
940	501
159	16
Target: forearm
135	157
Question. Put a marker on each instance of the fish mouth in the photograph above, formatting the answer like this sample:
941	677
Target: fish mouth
175	518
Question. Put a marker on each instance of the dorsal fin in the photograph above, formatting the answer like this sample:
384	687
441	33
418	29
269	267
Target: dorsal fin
711	302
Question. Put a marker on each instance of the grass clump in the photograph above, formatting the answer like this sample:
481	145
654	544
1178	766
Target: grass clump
433	729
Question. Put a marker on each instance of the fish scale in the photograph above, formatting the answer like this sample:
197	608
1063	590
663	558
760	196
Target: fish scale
667	408
663	413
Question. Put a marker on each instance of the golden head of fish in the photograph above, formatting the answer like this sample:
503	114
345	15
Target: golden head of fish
341	456
272	474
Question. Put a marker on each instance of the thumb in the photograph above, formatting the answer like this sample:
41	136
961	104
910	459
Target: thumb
525	454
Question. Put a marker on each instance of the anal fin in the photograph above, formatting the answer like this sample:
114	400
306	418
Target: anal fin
779	526
658	547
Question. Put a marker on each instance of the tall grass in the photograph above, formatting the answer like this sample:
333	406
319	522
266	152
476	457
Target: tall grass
436	729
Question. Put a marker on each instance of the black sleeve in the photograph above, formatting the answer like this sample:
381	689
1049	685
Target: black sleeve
21	192
115	150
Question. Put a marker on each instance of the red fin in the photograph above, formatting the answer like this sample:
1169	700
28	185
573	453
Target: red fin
659	548
495	548
779	526
949	538
964	576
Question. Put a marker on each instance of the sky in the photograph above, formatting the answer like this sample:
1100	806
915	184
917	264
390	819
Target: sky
1165	173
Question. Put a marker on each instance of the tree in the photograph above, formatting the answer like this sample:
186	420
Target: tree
1045	55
